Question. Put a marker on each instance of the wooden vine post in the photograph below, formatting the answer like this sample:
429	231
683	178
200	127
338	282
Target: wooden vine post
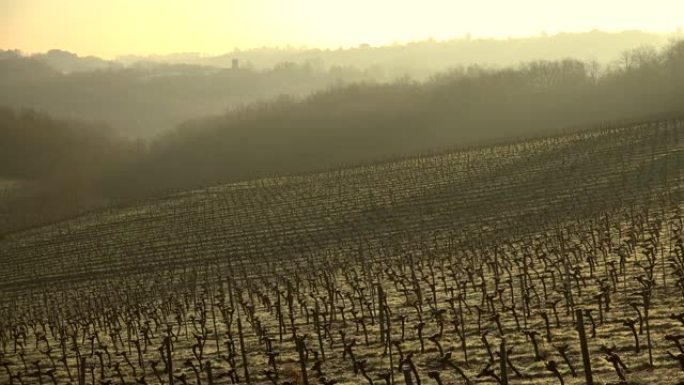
242	350
169	362
381	315
82	371
318	327
407	376
584	346
301	349
504	358
210	375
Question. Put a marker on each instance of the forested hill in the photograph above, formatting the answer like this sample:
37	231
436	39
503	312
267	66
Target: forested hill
64	166
143	96
365	122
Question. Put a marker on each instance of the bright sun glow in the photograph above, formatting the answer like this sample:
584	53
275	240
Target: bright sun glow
109	28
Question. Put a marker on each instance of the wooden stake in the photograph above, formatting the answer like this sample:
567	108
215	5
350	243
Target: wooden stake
586	359
242	350
504	358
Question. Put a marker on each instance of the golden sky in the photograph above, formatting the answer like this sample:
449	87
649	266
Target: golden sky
110	28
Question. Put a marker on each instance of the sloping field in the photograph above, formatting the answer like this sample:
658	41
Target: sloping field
423	264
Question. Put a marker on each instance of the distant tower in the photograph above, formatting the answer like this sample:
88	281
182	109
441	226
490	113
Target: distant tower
236	64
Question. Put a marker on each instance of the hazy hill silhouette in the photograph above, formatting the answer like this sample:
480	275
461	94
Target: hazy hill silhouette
142	96
351	124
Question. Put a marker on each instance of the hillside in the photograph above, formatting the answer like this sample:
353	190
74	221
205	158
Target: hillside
510	189
145	100
56	167
366	122
442	255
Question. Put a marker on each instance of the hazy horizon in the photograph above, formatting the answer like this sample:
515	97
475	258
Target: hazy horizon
212	27
126	56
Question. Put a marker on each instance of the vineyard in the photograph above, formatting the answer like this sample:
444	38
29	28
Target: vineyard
555	260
